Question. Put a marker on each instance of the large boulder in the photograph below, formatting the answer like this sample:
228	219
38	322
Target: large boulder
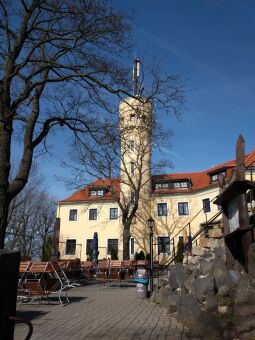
189	282
219	252
215	233
176	276
211	304
163	281
205	267
198	322
172	302
163	294
204	287
198	251
221	276
234	277
245	290
251	258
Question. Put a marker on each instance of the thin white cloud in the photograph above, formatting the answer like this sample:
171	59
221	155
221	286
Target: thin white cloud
172	153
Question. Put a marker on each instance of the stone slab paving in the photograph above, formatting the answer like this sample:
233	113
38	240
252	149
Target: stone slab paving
96	312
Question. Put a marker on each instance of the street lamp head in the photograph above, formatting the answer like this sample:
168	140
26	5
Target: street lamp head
151	223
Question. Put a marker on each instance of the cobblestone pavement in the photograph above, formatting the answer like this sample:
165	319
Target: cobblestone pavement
96	312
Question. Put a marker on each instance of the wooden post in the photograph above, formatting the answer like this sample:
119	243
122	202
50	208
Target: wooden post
9	272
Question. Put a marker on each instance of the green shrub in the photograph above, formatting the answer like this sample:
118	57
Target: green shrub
89	253
139	256
180	248
114	254
148	257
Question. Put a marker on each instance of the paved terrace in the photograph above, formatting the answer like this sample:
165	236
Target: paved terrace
96	312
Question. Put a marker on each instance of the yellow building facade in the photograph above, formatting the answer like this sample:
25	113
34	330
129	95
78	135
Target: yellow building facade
179	203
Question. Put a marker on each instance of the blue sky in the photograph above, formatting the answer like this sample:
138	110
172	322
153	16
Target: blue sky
211	44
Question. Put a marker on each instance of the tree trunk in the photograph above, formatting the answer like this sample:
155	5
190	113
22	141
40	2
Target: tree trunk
126	238
4	206
5	145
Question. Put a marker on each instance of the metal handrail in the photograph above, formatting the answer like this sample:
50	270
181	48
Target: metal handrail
194	238
186	246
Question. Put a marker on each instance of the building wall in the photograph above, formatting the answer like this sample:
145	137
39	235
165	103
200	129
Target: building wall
171	224
84	229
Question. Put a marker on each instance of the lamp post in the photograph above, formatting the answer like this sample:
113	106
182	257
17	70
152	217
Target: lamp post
151	225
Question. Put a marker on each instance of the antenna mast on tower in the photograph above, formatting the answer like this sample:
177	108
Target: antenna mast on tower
136	72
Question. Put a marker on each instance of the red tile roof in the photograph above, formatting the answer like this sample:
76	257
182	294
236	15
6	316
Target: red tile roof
84	194
199	181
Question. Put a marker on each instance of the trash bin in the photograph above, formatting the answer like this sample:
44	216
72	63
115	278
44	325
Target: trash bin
142	281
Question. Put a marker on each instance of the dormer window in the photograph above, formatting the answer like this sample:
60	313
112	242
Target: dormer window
161	185
97	192
180	185
214	177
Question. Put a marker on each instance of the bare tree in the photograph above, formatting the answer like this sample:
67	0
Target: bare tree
31	219
60	65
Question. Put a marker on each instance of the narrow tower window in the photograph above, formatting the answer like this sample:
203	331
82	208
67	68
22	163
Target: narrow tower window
132	168
132	118
132	145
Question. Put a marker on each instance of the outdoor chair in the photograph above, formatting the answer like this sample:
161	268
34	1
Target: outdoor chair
24	268
102	271
88	270
34	285
44	279
65	284
73	270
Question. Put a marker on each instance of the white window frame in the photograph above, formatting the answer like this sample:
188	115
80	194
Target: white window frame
181	185
97	192
109	252
86	244
207	198
76	215
89	214
112	219
133	240
166	209
177	207
165	236
71	239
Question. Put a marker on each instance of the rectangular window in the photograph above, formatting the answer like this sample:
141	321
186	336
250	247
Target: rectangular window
180	185
132	246
132	168
161	185
183	208
214	177
73	215
164	245
97	192
162	209
132	118
206	205
92	214
113	213
132	145
70	247
89	246
132	198
112	244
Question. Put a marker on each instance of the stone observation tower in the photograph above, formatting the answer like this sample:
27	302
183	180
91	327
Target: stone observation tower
135	129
